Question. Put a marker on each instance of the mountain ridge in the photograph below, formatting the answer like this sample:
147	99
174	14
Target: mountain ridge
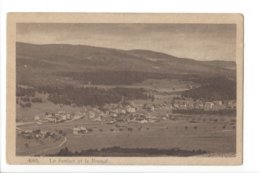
131	50
54	59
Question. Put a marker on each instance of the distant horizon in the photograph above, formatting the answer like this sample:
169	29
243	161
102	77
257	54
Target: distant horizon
126	50
195	41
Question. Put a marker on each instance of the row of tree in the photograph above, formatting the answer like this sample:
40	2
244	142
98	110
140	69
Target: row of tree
94	96
218	89
116	77
118	151
80	96
20	92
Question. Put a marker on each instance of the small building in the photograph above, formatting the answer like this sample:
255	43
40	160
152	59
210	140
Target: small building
198	105
44	133
97	118
111	122
123	111
143	121
61	112
130	109
51	119
231	104
208	106
79	130
63	117
91	114
149	107
37	135
48	115
75	130
218	102
77	117
68	116
36	118
114	115
28	131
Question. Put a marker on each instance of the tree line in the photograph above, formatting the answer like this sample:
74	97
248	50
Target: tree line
118	151
93	96
213	89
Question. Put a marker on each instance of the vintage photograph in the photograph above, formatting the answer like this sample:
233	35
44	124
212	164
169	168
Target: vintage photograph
145	89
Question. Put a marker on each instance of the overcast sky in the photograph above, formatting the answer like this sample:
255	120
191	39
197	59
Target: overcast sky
196	41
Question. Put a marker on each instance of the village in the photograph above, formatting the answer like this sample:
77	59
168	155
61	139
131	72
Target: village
59	117
127	118
110	113
191	104
131	112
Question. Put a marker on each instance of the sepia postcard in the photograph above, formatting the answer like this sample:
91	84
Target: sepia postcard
124	89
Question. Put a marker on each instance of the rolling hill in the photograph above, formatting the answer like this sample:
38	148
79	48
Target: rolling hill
51	62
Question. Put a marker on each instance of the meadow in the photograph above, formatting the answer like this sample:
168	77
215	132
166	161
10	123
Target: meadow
211	133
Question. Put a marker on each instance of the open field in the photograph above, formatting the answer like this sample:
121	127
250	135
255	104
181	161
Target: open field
212	133
36	147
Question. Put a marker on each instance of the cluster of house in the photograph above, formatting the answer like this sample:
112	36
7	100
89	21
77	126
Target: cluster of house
131	113
190	104
37	134
139	113
59	117
79	130
111	113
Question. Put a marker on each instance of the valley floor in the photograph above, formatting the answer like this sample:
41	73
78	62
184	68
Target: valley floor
203	133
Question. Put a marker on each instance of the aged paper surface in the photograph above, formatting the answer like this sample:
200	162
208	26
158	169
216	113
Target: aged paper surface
113	89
